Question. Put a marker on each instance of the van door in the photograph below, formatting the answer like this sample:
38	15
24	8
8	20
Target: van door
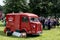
25	23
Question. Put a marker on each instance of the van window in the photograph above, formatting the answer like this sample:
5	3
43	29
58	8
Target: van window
24	19
34	19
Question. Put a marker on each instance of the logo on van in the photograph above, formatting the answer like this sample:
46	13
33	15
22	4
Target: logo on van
10	19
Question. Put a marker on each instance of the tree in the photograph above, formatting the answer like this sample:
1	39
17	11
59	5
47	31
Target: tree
15	6
1	8
39	7
35	6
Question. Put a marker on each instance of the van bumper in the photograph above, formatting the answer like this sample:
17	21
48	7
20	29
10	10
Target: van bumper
38	33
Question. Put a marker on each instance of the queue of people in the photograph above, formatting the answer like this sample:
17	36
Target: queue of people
49	22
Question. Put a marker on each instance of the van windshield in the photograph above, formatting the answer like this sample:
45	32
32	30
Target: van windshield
34	19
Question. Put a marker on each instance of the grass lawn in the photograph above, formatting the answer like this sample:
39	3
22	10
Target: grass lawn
53	34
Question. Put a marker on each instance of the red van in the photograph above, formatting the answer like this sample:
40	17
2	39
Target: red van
23	22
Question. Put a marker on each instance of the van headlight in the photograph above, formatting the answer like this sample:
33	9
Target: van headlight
34	26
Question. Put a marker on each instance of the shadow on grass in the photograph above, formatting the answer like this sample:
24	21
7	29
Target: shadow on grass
29	36
4	35
33	36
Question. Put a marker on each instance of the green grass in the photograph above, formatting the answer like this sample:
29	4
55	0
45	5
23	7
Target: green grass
53	34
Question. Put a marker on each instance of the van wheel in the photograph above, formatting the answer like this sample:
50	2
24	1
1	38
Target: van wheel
8	33
23	34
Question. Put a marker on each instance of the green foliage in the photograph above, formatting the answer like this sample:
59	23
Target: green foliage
1	8
14	6
39	7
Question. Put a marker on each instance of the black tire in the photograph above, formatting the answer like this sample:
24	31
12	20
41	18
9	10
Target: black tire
8	33
24	32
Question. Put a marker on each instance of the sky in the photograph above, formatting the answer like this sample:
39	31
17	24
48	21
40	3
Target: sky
1	2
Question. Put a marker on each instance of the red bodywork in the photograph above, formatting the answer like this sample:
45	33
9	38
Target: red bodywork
16	21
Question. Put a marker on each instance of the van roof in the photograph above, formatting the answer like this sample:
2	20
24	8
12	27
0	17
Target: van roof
28	14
